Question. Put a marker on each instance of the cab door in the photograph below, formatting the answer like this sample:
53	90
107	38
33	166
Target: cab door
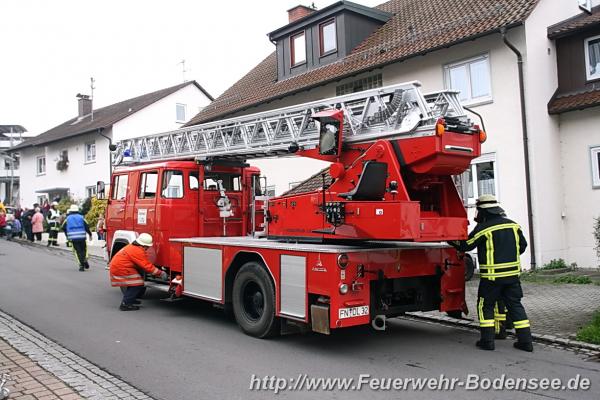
117	203
144	215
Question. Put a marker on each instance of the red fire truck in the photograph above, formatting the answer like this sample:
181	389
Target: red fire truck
366	246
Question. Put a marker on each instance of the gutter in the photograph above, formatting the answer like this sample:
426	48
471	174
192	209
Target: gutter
525	144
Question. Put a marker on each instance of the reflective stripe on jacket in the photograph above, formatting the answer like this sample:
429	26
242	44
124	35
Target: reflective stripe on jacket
124	266
499	242
75	227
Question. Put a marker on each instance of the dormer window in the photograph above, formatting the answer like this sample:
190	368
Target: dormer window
592	57
298	49
328	37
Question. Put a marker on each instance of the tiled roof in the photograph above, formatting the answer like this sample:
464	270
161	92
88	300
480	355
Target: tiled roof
103	117
315	182
417	27
571	102
575	24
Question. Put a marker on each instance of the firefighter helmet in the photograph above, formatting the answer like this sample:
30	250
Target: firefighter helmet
489	203
73	209
145	239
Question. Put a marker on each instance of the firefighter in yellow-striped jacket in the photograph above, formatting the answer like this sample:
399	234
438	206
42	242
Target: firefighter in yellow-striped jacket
499	242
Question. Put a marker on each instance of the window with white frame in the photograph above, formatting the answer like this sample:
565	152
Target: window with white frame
90	152
180	112
471	77
90	191
592	57
298	49
40	165
271	190
479	179
595	158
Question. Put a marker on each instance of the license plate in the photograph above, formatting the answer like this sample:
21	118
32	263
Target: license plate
353	312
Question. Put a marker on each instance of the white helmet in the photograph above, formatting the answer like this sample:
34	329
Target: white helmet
54	203
145	239
73	209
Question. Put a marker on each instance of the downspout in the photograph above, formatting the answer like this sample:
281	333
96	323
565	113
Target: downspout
525	144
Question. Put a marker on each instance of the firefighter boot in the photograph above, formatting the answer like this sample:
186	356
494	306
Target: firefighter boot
524	341
128	307
500	330
487	339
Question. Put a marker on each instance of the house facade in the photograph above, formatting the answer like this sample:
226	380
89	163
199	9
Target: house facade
539	163
68	160
10	135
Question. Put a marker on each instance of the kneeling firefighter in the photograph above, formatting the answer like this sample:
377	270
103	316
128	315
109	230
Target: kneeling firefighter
499	242
124	271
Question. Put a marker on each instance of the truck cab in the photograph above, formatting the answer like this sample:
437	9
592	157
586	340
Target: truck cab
176	199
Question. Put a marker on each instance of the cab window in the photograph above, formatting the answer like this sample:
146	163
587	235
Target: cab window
120	187
148	185
172	184
231	182
194	181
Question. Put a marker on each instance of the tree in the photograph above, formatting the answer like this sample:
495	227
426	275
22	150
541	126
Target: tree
98	208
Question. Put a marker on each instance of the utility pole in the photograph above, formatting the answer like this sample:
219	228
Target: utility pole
9	196
92	80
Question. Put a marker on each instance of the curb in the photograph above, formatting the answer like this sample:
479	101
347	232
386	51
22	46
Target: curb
54	248
467	323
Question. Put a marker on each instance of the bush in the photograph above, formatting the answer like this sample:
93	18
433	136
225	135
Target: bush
580	280
64	204
98	207
591	332
86	206
555	264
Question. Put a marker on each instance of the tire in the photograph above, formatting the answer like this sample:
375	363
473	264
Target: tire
469	267
254	301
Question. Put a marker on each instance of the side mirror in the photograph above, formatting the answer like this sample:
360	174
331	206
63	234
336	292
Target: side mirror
100	190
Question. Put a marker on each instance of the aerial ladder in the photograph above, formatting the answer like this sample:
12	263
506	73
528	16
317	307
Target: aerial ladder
393	151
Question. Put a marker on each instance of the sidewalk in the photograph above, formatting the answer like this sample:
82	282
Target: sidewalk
95	247
41	369
27	381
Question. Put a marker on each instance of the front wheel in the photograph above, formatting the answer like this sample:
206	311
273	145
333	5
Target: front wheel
254	301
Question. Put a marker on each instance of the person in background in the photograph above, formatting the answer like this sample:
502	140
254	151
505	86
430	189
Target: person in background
37	224
2	222
8	227
45	208
2	208
17	228
53	218
76	228
125	270
26	223
101	227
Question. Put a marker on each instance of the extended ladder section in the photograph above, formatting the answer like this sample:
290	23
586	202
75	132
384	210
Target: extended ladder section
390	112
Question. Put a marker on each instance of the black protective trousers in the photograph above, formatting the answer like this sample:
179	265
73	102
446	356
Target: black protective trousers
507	292
80	251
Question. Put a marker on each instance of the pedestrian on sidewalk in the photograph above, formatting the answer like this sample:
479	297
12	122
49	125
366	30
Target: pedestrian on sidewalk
37	224
8	225
2	222
17	228
101	227
26	223
76	228
124	271
53	218
499	242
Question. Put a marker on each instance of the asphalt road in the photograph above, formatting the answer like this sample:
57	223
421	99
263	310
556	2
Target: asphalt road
189	350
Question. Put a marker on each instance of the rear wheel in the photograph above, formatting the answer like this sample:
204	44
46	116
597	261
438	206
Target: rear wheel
254	301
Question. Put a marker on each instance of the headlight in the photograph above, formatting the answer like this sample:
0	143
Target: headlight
343	288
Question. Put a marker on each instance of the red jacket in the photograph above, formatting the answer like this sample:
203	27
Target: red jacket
124	266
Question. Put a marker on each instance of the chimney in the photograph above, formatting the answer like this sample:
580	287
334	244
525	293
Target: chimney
298	12
85	105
